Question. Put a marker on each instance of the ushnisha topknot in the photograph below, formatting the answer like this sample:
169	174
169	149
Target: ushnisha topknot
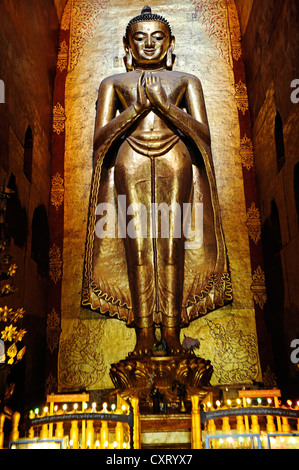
147	15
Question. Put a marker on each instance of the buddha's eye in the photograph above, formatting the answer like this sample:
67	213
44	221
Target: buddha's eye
139	37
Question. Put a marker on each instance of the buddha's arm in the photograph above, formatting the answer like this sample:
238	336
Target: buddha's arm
109	126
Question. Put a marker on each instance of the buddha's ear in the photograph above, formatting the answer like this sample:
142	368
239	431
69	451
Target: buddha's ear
128	59
172	42
125	43
170	57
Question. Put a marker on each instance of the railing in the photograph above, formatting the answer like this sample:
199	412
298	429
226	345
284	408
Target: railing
81	426
69	417
249	421
15	420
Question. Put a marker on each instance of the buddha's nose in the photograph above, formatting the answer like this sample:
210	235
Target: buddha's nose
149	41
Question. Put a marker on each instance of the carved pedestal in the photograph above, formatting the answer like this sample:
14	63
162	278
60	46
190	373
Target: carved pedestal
131	376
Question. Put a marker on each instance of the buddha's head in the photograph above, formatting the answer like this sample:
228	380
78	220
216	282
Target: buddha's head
148	42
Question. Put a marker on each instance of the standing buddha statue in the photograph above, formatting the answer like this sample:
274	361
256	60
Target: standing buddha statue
152	148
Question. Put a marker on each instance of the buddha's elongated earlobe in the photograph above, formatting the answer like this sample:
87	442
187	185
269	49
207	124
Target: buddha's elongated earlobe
129	60
169	58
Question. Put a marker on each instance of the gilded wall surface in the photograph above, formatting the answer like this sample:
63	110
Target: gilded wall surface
207	42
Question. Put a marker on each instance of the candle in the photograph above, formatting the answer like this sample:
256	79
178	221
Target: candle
104	410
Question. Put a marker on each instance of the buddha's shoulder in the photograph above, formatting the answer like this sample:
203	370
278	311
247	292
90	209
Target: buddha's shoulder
185	76
128	77
114	79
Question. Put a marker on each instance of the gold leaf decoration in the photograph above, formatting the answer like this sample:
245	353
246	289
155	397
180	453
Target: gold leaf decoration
84	20
246	153
66	18
235	32
57	191
214	16
55	264
11	353
258	287
53	330
253	223
21	353
51	384
62	58
235	353
59	119
241	97
81	359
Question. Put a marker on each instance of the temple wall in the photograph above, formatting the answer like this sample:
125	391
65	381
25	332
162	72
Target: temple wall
206	46
270	51
29	37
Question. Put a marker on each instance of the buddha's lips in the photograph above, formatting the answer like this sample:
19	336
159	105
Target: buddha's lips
149	51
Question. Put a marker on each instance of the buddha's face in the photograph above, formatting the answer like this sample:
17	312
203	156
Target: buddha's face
149	42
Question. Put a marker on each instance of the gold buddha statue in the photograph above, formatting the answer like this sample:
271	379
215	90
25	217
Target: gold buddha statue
152	150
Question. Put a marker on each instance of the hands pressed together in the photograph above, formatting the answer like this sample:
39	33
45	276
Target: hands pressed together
150	93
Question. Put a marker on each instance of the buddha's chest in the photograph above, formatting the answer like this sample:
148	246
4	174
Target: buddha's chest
173	86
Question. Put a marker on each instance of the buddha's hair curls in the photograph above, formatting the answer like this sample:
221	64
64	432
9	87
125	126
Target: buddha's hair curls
147	15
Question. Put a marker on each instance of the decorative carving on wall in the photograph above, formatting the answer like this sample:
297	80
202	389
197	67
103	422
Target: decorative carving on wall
258	287
253	223
53	330
214	16
246	153
241	97
51	384
81	363
66	19
55	264
57	191
84	18
59	119
236	353
62	58
235	32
